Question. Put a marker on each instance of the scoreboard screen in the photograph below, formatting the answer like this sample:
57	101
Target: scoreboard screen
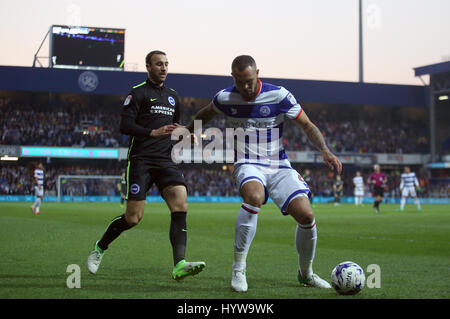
87	47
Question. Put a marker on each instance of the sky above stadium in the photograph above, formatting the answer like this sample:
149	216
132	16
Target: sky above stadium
296	39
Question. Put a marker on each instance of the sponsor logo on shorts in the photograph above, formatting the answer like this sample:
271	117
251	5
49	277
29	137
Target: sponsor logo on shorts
134	189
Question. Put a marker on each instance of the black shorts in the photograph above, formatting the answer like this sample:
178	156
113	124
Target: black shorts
142	174
378	191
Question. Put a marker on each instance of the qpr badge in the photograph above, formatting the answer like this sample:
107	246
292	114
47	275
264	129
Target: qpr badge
171	101
88	81
264	110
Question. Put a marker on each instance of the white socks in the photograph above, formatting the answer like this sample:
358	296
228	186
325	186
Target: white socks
403	202
417	202
245	230
37	204
305	242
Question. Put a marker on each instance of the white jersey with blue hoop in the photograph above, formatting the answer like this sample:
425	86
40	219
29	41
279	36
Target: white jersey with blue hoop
39	175
409	180
408	184
258	124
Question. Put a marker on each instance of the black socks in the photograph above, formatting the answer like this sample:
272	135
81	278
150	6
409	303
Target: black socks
178	235
117	226
376	204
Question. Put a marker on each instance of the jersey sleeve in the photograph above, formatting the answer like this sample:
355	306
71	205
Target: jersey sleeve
129	113
215	104
289	104
416	181
130	106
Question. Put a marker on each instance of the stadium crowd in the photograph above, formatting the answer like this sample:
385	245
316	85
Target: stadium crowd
74	121
17	180
92	121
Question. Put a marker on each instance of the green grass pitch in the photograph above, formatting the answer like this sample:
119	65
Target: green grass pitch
412	249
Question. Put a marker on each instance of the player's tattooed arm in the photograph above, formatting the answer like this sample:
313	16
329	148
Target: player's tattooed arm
315	136
311	131
317	139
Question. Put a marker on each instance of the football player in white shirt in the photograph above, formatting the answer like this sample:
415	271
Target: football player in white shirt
408	186
261	108
358	182
38	179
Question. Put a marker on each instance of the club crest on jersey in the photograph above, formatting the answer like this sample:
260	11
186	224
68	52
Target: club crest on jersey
264	110
171	101
127	100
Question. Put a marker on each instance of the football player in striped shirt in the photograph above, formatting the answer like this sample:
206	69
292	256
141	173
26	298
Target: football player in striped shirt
408	186
358	182
261	166
38	179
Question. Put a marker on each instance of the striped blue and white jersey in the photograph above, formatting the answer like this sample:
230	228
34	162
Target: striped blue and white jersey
358	182
39	175
259	121
409	180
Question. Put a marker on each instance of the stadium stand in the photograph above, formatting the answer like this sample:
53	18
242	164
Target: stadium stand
378	121
69	121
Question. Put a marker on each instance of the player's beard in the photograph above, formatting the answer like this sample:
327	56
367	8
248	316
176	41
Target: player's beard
158	79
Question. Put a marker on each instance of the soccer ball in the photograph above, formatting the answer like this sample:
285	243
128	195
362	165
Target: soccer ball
348	278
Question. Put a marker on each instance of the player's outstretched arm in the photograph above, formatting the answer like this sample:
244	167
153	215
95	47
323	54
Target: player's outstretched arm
205	115
315	136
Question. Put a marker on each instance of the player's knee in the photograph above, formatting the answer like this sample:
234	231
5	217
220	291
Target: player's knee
306	217
133	215
255	199
133	220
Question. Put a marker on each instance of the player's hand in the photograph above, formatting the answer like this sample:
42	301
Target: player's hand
163	130
191	136
332	161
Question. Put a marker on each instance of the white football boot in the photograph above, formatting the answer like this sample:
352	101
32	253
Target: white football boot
239	281
94	259
313	281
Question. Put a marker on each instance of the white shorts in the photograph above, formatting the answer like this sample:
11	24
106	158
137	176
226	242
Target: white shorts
39	191
359	191
409	191
281	184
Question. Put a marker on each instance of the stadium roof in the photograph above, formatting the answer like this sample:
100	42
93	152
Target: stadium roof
432	69
31	79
